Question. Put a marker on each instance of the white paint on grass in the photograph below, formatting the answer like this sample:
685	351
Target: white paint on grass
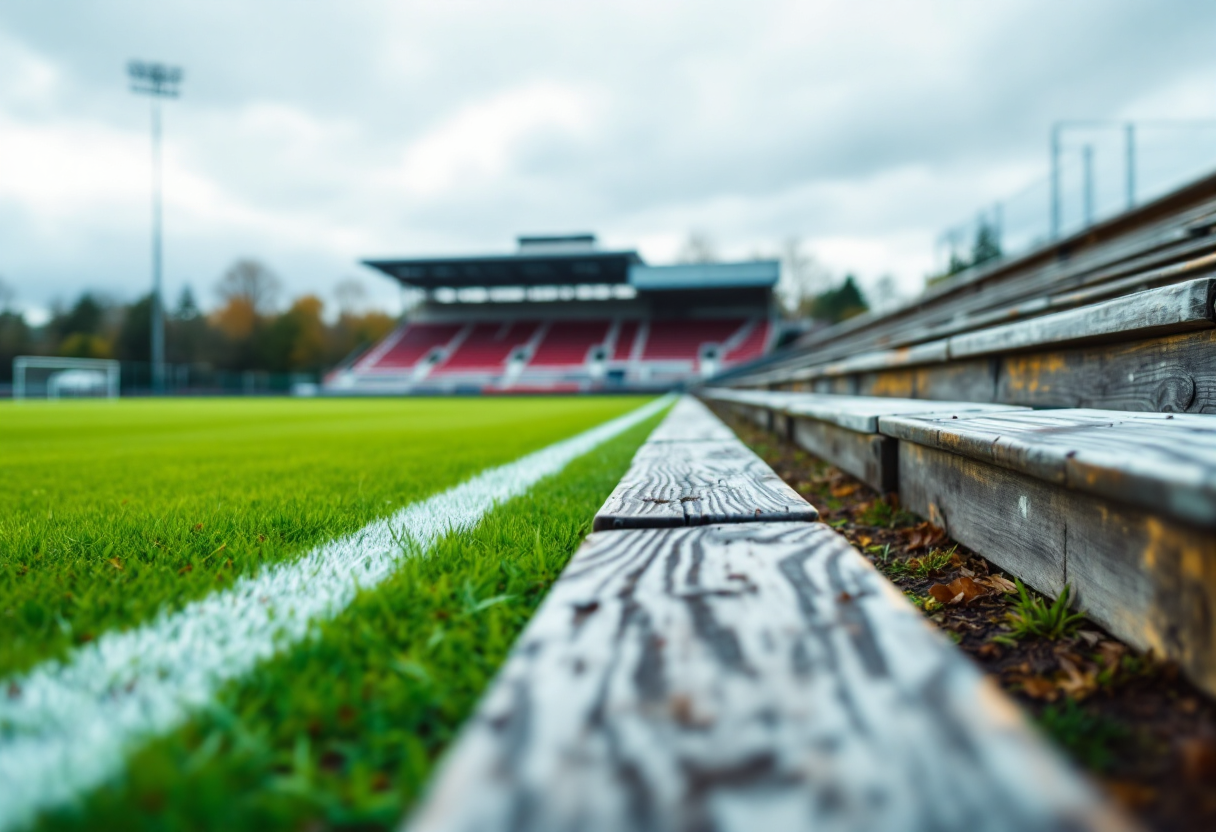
66	727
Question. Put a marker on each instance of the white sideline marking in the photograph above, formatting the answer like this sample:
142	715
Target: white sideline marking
65	727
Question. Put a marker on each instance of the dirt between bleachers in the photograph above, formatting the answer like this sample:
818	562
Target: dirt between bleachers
1144	732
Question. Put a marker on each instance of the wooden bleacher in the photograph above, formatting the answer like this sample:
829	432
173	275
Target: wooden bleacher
752	673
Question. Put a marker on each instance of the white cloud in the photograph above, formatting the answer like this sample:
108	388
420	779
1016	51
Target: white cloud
312	135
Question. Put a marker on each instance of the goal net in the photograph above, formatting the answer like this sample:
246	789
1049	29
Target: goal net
40	377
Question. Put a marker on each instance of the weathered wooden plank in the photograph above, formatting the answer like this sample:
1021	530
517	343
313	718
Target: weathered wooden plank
1136	314
744	678
1172	374
1170	309
868	456
691	421
1012	519
697	483
855	413
1162	463
1149	580
861	413
1148	256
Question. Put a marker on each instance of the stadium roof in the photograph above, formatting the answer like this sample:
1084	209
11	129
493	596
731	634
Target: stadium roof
557	268
754	273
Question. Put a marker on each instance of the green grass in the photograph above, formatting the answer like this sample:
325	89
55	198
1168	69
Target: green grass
112	511
342	731
1032	616
935	561
1089	737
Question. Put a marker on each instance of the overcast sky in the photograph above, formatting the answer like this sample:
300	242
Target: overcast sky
313	134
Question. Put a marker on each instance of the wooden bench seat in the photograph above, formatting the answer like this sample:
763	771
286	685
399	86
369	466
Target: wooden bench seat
1121	507
1173	326
684	476
843	429
1162	462
746	676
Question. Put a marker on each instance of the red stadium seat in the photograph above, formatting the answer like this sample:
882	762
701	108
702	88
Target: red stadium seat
414	343
682	340
488	346
567	343
627	334
751	347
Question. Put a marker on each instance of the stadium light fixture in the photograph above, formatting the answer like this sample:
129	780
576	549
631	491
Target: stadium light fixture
156	81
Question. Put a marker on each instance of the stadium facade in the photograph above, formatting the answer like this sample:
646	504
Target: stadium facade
562	315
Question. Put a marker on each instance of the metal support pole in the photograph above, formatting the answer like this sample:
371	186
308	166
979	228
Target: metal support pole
158	81
1055	181
158	321
1087	171
1129	136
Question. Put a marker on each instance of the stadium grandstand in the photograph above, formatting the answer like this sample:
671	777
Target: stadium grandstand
562	315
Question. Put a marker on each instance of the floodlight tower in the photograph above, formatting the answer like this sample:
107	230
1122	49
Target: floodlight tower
156	81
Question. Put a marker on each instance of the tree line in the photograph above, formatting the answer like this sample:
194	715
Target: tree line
247	331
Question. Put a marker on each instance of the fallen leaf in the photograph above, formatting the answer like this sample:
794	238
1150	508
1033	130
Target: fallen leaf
116	563
1111	653
1075	682
846	490
941	593
1039	687
989	650
959	591
864	540
1198	756
1000	584
923	535
1131	795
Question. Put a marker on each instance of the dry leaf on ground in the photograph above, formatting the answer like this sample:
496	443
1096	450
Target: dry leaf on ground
959	591
922	535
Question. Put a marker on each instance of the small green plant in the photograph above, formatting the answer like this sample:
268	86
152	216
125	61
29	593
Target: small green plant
882	552
882	514
935	561
1088	737
1034	616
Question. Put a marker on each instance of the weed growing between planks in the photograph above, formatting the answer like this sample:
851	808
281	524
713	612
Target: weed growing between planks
110	512
342	731
1134	723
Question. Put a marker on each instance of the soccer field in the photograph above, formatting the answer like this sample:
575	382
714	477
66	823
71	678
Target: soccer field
209	611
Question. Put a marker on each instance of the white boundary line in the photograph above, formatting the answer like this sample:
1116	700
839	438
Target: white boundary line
66	727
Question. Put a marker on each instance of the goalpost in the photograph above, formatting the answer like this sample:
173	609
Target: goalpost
36	376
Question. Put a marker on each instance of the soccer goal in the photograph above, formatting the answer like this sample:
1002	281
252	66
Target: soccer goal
42	377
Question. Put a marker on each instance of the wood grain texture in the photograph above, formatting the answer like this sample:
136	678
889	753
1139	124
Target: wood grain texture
691	421
861	413
1149	580
1142	259
1054	319
1163	463
697	483
758	677
868	456
1012	519
855	413
1185	306
973	380
1170	375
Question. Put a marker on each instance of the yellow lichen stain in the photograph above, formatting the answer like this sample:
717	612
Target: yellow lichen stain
1031	373
1167	543
898	385
1081	474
